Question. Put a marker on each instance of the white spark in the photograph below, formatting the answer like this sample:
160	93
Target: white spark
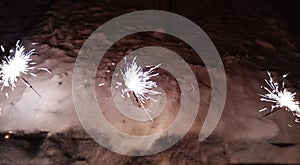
280	96
138	82
119	84
263	109
44	69
192	86
122	96
17	64
2	48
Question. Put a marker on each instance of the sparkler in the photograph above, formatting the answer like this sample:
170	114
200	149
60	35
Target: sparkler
17	64
137	82
280	96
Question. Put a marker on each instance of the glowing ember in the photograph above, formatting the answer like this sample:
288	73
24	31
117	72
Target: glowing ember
13	66
280	96
138	83
101	84
6	137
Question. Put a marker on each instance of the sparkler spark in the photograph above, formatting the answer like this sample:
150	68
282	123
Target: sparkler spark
16	65
137	82
280	96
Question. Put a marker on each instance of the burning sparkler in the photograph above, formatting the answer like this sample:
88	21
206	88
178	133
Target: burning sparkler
280	96
137	82
17	64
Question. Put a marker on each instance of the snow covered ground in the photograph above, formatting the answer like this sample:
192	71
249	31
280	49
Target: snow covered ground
252	38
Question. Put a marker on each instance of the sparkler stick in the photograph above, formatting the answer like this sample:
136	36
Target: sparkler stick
136	99
269	113
30	86
140	104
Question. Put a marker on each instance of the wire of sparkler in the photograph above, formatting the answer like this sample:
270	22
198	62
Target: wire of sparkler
30	86
140	103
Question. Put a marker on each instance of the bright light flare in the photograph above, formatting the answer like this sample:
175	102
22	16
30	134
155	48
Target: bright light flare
280	96
6	137
138	82
16	64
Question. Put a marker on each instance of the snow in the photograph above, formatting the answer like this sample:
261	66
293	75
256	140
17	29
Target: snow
243	133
